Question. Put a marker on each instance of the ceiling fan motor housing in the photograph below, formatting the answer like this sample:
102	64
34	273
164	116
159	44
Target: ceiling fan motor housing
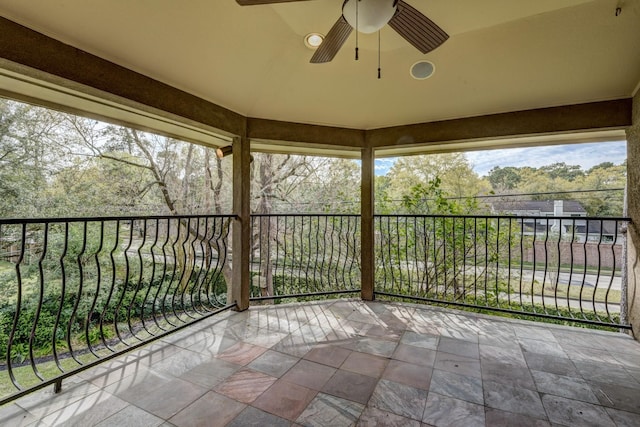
372	15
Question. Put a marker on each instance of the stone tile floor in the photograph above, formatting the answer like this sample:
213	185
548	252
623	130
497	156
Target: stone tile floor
348	362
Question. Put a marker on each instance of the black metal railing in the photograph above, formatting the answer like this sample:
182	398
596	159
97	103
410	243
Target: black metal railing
304	255
566	268
75	292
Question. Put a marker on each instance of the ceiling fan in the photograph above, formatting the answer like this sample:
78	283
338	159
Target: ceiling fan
369	16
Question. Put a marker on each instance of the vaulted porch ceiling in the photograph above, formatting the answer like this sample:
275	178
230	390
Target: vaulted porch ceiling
502	56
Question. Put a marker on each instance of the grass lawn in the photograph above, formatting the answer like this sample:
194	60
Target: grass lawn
6	266
26	378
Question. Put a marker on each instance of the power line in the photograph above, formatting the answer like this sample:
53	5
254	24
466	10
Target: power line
491	196
487	196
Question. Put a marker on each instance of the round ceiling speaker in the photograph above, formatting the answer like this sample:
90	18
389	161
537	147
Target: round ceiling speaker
422	70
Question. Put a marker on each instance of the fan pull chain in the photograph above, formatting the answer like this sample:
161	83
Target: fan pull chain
357	1
379	69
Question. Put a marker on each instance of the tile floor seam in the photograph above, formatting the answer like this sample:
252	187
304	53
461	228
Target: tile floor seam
516	414
546	411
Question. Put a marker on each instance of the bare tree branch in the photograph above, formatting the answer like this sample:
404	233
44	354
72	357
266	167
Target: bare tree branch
134	137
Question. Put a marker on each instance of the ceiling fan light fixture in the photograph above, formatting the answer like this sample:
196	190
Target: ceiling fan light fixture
313	40
370	15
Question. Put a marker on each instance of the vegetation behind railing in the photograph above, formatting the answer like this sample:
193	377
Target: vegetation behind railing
304	255
77	291
556	267
563	268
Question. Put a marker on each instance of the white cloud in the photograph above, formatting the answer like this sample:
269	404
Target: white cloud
382	166
585	155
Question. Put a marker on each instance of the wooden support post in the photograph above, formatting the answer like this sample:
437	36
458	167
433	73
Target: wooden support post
242	225
367	225
632	237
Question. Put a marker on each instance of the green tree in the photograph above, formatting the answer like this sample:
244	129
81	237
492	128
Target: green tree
602	177
295	184
567	182
383	202
562	170
431	199
457	178
603	165
536	182
504	178
439	253
333	187
27	156
112	187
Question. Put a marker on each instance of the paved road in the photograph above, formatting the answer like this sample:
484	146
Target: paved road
575	305
576	279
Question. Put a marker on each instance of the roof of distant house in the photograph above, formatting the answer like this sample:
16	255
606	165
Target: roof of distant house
536	205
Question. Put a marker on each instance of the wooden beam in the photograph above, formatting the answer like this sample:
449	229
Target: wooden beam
630	300
29	48
367	227
571	118
274	130
241	284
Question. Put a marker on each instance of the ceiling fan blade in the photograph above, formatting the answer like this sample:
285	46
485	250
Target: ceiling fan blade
332	43
258	2
417	29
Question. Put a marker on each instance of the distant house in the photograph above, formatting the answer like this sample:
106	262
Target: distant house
539	208
594	228
533	213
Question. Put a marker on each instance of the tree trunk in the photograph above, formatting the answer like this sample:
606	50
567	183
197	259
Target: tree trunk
266	269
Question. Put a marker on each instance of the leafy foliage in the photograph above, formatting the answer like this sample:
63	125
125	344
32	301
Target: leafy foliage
410	180
423	254
566	178
504	178
87	315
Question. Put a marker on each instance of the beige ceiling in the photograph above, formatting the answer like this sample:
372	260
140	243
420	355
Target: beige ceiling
503	55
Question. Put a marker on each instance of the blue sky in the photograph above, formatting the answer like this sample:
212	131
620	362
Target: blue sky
585	155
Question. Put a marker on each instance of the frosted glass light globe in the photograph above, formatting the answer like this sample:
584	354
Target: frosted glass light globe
372	14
